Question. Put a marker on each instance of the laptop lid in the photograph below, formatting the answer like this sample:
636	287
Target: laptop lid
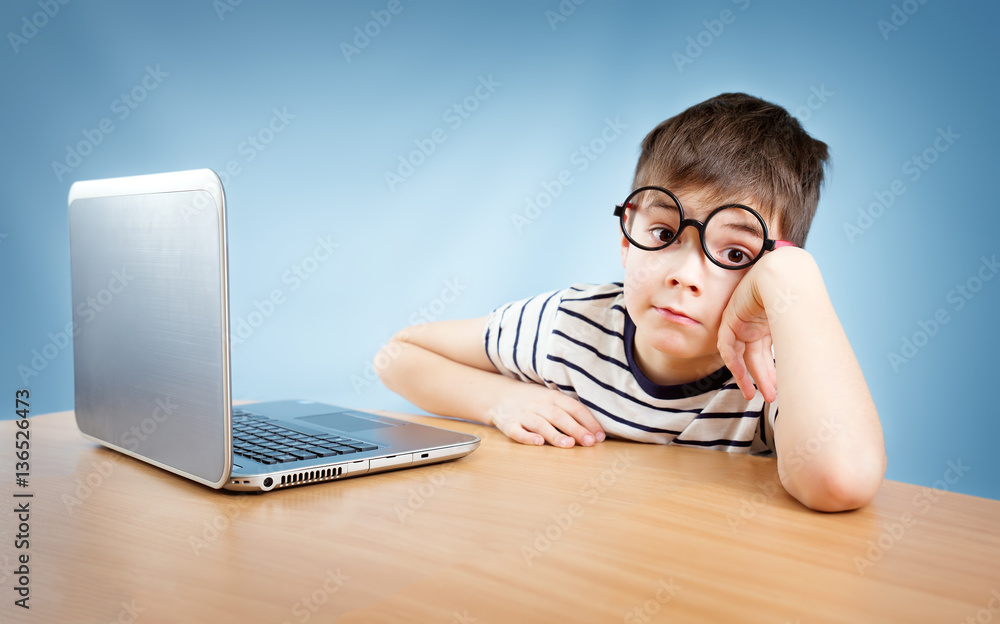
151	319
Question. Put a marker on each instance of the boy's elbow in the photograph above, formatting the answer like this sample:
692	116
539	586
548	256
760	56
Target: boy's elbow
386	361
834	493
840	487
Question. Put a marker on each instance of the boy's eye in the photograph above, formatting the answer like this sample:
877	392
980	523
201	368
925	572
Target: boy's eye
735	256
662	234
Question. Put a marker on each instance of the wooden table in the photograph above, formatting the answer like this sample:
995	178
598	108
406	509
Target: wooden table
621	532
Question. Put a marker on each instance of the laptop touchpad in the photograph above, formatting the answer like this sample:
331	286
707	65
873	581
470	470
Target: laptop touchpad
343	422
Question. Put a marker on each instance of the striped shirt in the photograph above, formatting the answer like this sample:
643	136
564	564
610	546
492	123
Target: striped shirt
579	341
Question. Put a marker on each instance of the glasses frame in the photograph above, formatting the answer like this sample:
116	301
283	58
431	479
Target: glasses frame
769	243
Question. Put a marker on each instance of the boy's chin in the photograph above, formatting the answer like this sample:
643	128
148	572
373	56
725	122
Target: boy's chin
683	349
678	342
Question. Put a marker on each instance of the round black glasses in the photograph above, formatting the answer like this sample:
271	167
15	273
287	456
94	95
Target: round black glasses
733	236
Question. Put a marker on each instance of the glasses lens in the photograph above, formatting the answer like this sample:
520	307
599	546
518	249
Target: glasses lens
652	219
734	236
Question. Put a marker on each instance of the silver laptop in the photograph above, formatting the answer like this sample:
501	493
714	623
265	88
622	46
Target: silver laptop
151	351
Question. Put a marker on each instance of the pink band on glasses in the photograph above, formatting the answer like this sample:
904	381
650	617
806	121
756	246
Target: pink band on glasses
779	243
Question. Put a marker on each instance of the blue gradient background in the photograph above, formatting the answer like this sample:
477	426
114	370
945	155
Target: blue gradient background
451	221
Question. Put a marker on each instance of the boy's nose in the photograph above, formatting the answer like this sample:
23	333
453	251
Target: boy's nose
687	266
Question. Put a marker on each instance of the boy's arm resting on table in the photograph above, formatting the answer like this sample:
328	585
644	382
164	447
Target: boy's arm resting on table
442	367
831	453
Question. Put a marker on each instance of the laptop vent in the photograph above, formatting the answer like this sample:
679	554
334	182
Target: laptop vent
310	476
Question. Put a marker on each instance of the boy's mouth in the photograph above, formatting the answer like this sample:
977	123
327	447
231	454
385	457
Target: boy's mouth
675	316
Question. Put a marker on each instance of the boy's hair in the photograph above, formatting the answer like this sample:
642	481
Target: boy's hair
736	147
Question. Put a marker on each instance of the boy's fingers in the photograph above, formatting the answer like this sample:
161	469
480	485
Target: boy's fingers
541	425
735	363
518	434
743	371
758	368
746	387
566	423
731	352
512	428
769	358
579	411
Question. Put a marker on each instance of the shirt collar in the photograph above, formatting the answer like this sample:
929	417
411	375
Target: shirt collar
712	382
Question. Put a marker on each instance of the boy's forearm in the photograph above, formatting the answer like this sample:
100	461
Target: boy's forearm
442	386
831	453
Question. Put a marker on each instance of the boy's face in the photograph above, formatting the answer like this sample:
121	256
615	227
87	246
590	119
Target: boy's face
676	297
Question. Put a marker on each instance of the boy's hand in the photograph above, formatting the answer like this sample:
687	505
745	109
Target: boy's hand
745	339
535	414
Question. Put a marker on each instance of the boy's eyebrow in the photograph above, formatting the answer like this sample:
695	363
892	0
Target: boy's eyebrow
743	227
662	203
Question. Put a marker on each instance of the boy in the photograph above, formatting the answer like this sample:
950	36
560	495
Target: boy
681	351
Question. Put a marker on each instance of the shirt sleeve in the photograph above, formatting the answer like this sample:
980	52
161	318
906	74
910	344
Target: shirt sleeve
518	336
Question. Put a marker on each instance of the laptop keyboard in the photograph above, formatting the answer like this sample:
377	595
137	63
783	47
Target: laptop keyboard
263	440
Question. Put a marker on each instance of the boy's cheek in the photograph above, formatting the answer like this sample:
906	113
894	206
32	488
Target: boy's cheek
712	324
635	279
629	293
733	287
